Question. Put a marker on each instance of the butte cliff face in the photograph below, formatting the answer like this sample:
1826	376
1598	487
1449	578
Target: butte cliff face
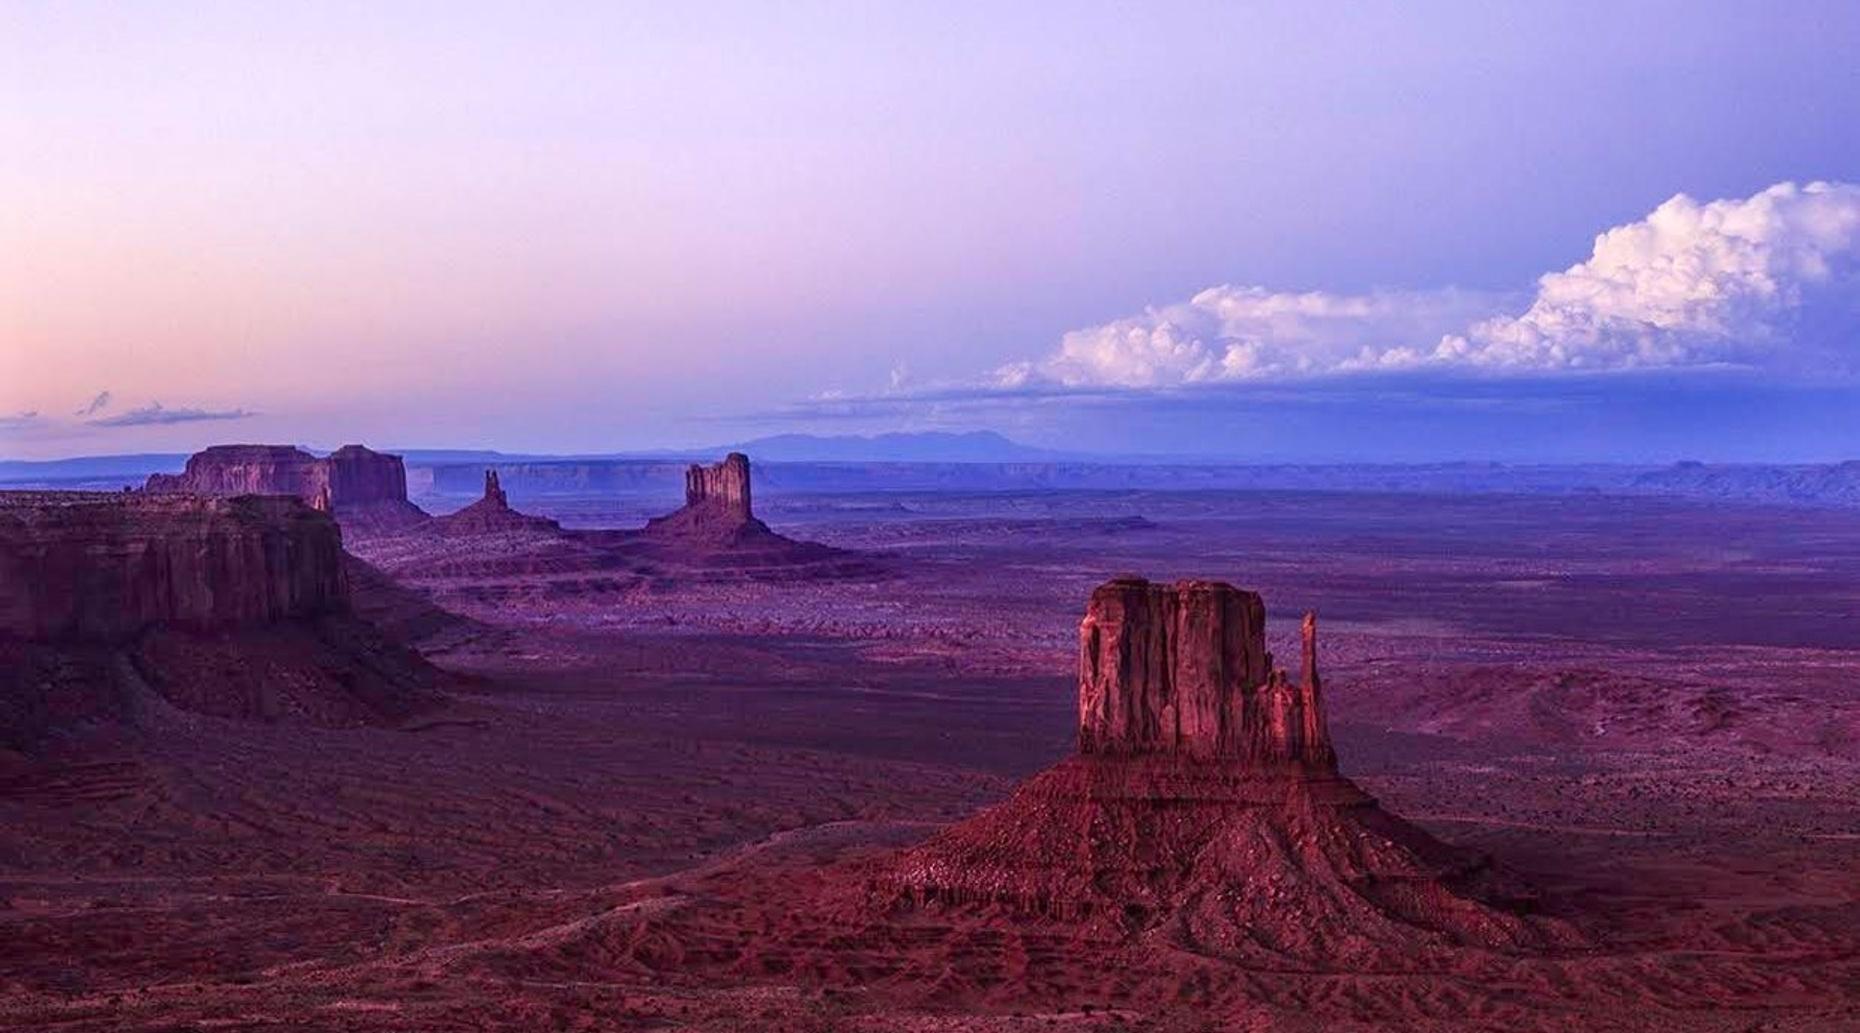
1183	670
723	488
365	490
234	606
102	567
1204	803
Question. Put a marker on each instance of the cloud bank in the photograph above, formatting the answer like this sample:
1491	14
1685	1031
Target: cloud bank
155	414
1770	282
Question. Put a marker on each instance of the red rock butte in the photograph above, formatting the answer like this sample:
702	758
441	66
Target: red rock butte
723	487
1205	795
1183	669
717	507
365	489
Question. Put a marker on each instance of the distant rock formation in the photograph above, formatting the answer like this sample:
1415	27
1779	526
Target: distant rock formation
723	487
490	561
492	515
717	507
1204	802
365	490
1183	669
234	606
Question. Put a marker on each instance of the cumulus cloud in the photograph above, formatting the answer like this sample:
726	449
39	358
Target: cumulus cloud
95	405
1768	282
1248	333
155	414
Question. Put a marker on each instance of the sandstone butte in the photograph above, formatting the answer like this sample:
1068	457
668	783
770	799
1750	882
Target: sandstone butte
1204	799
717	506
365	490
492	514
234	606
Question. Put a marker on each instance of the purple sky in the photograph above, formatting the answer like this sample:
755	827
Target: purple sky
1210	228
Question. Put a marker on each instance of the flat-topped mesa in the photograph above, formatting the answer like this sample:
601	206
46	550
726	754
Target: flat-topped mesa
246	470
723	487
1183	670
365	489
359	475
101	567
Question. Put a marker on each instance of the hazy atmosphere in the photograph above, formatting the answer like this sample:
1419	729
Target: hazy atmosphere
1276	231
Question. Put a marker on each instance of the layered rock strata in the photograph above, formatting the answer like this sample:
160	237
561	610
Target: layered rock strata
102	567
116	605
366	490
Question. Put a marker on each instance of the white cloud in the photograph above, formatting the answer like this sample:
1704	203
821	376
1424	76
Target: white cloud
1767	281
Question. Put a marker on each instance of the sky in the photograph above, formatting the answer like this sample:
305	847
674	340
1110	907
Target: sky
1293	231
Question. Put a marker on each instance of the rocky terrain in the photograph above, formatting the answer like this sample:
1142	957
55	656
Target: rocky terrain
695	805
116	604
365	490
487	557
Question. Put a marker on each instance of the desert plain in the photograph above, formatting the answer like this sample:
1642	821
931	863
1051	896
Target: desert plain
663	799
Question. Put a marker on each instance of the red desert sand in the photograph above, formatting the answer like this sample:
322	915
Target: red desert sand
1571	764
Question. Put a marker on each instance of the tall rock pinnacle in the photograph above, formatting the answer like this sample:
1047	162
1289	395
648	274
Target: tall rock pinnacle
492	514
1183	669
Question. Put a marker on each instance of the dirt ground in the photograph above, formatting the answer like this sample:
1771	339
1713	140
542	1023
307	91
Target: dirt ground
1649	709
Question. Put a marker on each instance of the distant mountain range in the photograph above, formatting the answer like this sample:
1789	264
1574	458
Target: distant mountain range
981	446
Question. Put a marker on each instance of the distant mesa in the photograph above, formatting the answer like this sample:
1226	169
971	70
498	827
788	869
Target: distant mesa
492	514
118	604
365	490
1204	802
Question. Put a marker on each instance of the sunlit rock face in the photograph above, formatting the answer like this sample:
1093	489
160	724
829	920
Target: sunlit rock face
723	487
1183	670
1204	803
